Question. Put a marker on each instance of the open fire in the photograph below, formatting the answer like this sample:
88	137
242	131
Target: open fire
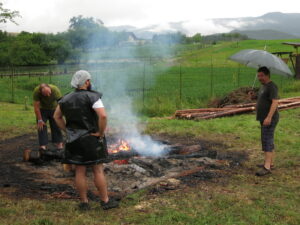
128	169
120	146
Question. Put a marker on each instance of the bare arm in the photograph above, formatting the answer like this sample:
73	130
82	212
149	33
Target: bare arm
273	109
58	117
38	115
37	111
102	121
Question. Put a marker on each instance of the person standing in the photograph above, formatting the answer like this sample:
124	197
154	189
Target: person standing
84	124
268	116
45	97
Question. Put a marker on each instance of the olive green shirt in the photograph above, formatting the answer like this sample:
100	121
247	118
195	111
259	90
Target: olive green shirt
45	101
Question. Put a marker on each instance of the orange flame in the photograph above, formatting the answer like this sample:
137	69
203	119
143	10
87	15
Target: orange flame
121	145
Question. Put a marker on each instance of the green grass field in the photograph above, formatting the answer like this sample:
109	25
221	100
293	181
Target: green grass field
162	88
239	199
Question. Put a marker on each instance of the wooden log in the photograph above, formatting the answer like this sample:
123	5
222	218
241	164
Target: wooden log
68	167
228	113
191	115
197	115
31	156
290	99
240	105
189	111
289	105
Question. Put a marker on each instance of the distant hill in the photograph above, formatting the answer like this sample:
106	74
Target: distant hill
275	25
149	31
270	26
265	34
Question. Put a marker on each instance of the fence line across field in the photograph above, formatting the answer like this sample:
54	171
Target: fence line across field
147	84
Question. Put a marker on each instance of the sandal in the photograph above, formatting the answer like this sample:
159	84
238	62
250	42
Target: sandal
110	204
262	165
84	206
264	171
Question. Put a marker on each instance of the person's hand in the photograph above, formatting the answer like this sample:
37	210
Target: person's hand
97	134
267	122
40	125
252	95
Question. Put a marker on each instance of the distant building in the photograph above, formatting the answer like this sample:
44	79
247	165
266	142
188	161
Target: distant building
132	40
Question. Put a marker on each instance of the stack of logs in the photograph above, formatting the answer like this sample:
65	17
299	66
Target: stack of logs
230	110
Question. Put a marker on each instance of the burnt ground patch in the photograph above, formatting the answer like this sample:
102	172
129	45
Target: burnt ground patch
192	161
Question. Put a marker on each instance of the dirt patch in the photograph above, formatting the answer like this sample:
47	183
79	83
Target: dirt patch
191	160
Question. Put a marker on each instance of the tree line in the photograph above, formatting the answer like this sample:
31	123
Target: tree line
84	34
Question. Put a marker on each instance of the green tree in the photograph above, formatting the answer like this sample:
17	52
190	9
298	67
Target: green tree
87	33
197	38
23	52
78	22
7	15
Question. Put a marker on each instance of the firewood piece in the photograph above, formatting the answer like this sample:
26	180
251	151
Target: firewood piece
229	113
240	105
289	105
31	156
178	112
190	149
290	99
189	172
211	154
155	172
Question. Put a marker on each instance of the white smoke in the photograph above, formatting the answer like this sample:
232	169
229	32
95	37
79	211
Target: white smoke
122	118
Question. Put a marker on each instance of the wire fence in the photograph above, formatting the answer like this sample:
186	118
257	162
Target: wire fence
152	87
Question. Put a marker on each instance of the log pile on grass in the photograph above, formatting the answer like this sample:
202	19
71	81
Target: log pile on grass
230	110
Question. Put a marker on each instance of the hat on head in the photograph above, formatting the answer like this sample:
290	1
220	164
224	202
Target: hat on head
79	78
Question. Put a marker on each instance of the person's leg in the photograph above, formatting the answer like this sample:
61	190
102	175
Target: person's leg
80	182
56	134
269	144
268	160
272	160
43	134
100	182
267	140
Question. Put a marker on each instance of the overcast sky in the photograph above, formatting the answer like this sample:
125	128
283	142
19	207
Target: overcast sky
54	15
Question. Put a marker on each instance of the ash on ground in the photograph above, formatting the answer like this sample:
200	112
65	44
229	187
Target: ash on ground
190	160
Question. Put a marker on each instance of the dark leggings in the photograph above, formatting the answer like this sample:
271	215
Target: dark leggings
56	134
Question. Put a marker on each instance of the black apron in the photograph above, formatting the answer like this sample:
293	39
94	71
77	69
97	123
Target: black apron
81	120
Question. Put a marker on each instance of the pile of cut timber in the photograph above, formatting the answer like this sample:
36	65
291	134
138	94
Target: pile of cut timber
230	110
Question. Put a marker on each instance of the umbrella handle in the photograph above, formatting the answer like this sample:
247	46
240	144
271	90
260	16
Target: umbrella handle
254	81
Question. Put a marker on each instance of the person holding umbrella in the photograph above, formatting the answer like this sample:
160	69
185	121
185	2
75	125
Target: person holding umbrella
267	100
268	116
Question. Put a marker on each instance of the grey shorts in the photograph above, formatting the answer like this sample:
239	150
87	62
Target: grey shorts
267	136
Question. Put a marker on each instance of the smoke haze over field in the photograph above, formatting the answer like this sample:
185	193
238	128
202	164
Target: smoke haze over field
114	79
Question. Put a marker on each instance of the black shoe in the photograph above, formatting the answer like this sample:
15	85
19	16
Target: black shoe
264	171
84	206
110	204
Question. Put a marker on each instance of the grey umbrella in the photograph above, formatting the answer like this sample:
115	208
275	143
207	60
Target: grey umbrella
258	58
